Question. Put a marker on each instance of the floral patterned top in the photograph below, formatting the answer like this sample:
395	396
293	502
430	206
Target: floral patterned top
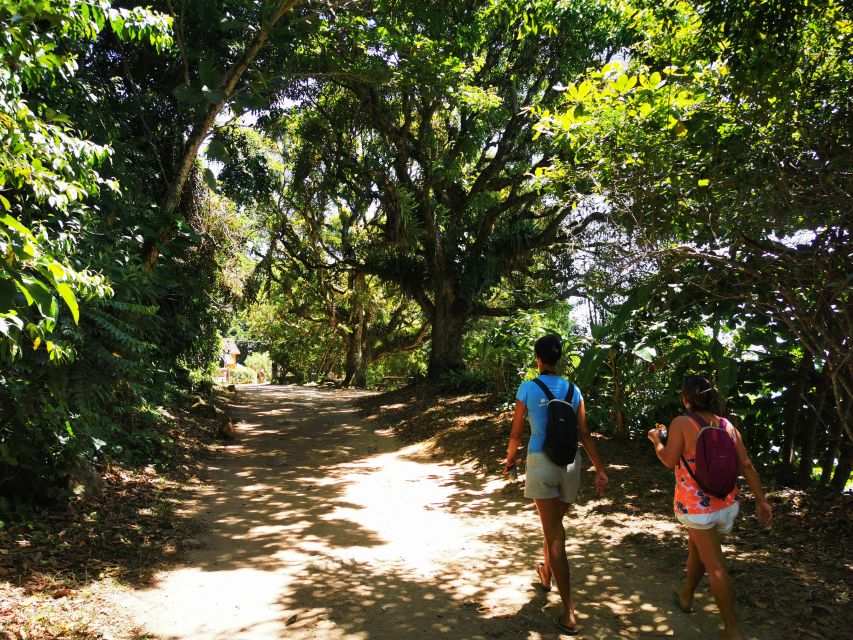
689	498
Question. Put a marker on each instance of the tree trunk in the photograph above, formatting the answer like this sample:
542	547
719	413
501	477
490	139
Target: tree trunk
842	381
828	461
793	408
845	466
355	353
841	429
321	371
448	330
808	444
357	320
360	378
618	403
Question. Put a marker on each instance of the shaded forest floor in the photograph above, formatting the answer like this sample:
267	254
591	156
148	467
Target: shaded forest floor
56	570
54	565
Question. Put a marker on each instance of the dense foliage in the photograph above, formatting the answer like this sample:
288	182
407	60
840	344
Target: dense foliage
722	145
93	340
428	147
416	190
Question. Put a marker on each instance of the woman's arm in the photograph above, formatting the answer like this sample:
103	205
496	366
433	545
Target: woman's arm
588	443
669	453
762	508
515	434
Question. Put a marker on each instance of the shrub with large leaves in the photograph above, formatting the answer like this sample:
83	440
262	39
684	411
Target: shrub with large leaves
50	182
47	169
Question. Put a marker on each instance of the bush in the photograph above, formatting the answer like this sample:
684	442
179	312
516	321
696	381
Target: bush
260	361
244	375
466	381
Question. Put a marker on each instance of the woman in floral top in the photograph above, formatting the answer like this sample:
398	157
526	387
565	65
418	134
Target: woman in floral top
706	516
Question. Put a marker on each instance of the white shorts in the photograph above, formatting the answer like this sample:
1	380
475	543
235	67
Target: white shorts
722	520
543	479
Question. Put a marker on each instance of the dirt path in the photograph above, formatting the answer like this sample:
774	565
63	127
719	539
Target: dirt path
320	526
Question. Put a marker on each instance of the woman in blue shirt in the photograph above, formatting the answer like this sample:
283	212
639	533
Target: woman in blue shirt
552	488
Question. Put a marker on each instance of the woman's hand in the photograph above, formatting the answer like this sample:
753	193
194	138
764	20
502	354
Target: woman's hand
764	512
601	482
508	464
654	435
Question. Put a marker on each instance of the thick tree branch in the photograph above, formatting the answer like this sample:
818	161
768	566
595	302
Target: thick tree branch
202	127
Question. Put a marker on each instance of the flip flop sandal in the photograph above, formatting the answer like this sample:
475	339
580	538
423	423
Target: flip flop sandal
566	631
677	600
540	568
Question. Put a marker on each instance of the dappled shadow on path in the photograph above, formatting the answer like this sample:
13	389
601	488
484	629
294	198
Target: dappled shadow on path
319	526
279	481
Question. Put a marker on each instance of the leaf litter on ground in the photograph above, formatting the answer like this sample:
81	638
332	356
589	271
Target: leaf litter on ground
56	562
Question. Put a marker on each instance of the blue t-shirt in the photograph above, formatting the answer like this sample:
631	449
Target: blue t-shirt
537	405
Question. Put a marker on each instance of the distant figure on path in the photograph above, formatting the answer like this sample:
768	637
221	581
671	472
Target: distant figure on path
707	516
552	487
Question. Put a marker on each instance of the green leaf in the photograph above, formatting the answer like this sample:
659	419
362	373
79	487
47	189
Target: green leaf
70	299
57	270
187	94
209	178
646	353
214	96
7	294
217	150
10	222
590	365
26	291
208	74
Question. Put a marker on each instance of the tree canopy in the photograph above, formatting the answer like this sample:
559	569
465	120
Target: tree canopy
366	189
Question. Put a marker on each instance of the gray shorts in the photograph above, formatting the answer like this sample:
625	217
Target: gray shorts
543	479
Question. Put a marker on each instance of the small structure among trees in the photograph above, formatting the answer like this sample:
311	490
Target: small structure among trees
228	358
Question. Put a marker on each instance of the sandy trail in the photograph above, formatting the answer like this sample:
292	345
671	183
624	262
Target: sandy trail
317	525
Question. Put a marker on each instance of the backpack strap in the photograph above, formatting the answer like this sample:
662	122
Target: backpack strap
724	424
570	394
544	388
699	422
689	470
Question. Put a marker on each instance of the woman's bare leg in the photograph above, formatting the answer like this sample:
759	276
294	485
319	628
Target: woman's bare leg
544	569
710	552
695	571
551	512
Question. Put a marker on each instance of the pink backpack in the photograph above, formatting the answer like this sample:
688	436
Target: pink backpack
717	465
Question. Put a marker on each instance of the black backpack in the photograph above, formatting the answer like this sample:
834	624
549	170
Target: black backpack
561	434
